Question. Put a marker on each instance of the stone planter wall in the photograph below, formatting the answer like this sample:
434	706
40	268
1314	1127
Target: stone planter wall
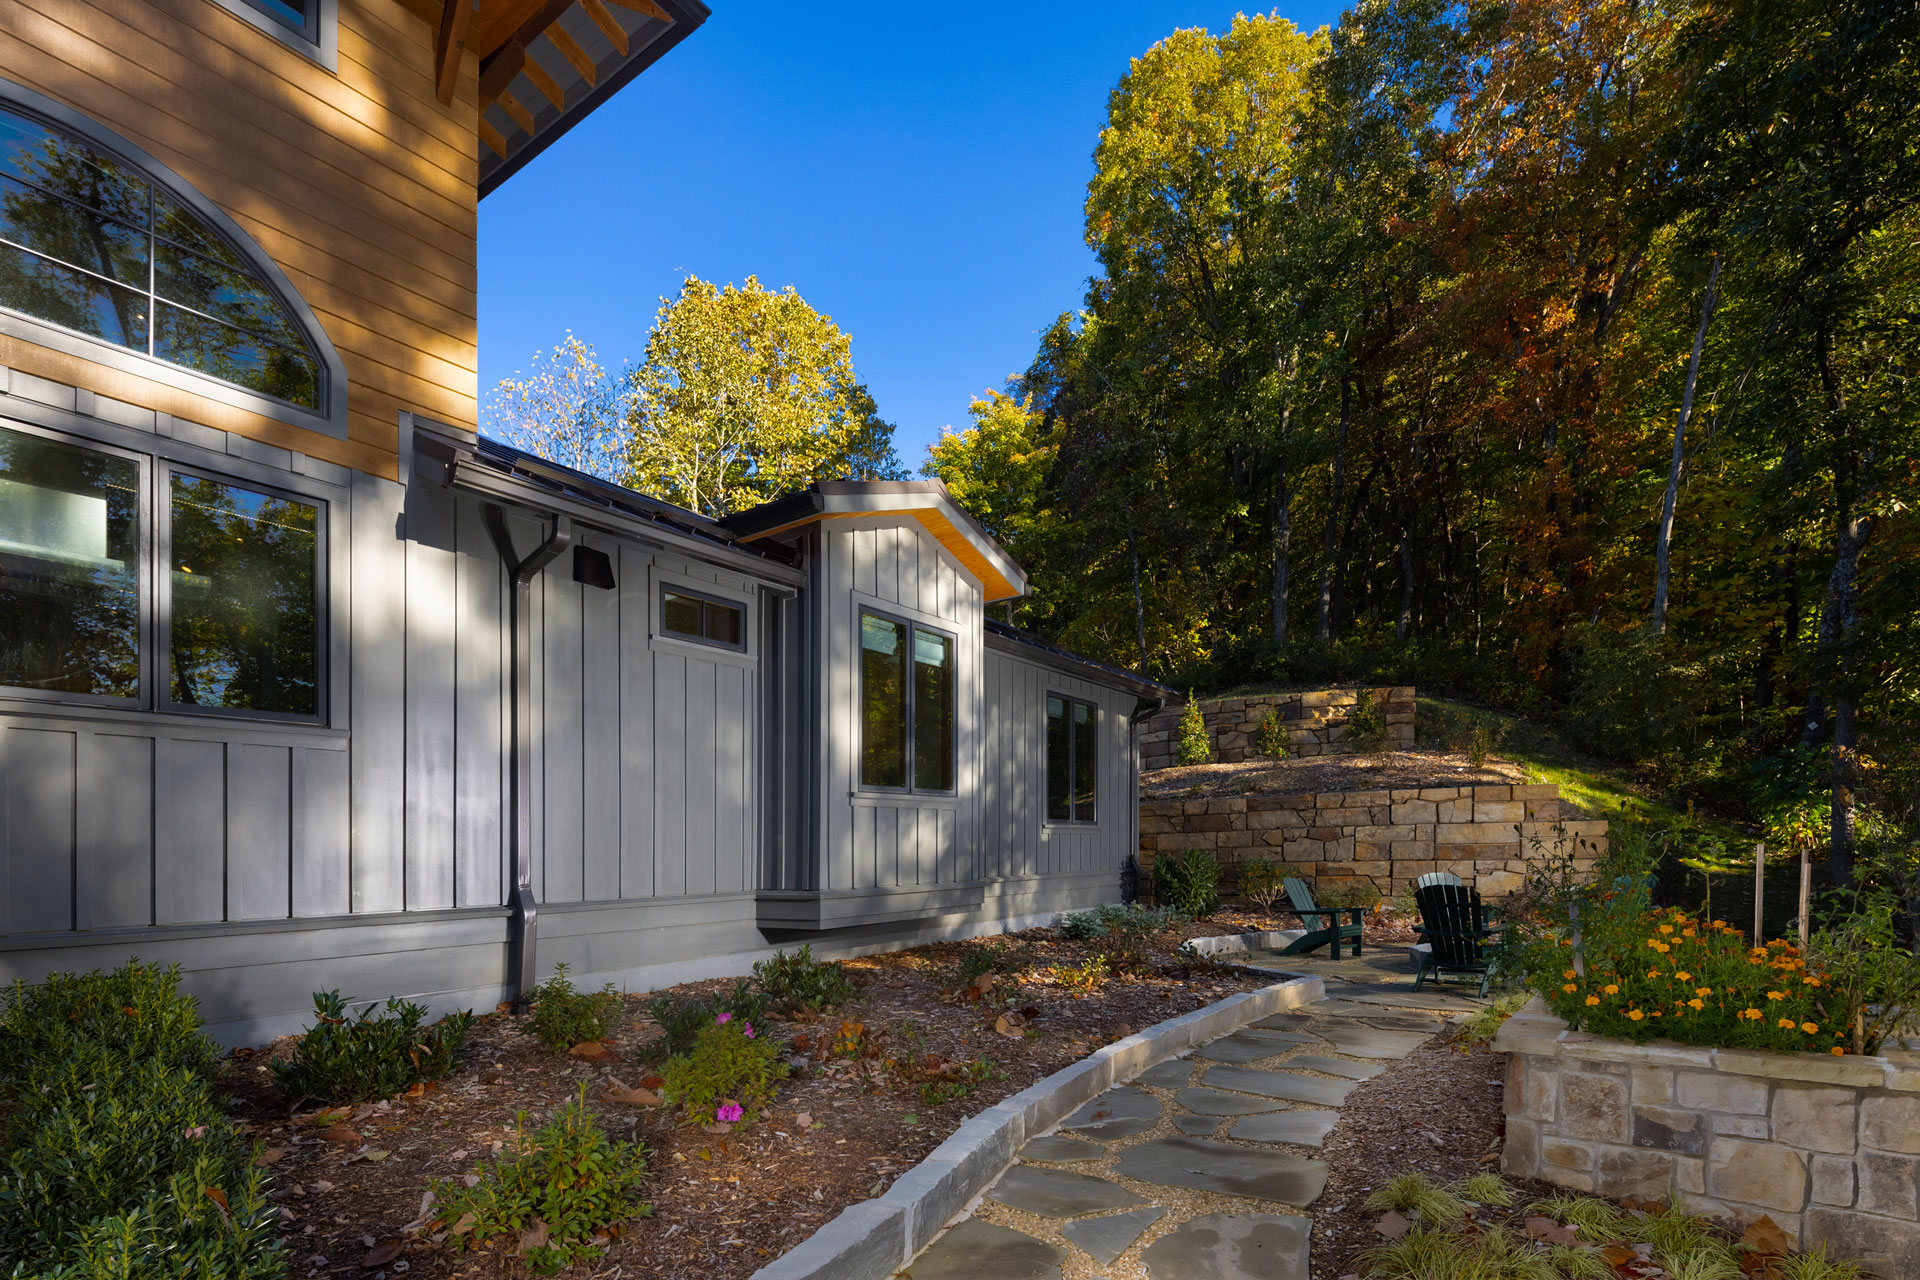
1828	1147
1316	724
1481	834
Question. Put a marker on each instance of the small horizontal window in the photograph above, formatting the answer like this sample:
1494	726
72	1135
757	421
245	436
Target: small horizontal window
686	616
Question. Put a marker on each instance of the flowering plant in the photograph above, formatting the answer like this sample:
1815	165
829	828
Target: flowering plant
1668	974
728	1075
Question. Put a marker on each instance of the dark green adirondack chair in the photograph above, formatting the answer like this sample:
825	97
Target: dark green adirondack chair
1453	924
1437	877
1300	897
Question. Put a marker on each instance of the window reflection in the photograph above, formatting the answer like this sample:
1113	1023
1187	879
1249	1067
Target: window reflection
245	611
883	702
932	711
88	245
69	568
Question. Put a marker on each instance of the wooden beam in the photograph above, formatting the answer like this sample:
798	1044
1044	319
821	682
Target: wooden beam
515	108
506	22
448	47
497	72
570	50
605	21
545	83
647	7
491	136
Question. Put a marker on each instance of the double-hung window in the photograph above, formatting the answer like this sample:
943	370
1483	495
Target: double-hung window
907	687
1072	758
130	580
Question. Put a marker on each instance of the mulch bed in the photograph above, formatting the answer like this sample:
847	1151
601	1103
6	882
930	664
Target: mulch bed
1400	769
723	1204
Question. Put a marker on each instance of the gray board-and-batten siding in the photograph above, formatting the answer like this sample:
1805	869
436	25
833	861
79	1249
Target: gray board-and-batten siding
372	853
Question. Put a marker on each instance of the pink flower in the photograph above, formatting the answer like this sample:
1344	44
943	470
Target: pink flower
198	1131
725	1017
748	1027
729	1113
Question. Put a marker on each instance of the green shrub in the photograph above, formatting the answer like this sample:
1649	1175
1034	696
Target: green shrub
1261	881
570	1176
682	1020
1133	917
1270	739
1081	926
1190	882
798	981
728	1075
564	1017
1872	977
120	1163
343	1058
1473	733
1367	726
1346	891
982	958
1081	979
1194	745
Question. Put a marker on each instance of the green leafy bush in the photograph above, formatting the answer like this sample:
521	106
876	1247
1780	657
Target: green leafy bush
564	1017
1194	745
567	1184
1085	926
1473	733
798	981
1346	891
982	958
1367	726
683	1020
1190	881
1665	973
1270	738
1261	880
119	1161
728	1075
1872	978
344	1058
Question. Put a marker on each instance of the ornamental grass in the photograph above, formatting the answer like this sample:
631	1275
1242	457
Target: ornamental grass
1670	975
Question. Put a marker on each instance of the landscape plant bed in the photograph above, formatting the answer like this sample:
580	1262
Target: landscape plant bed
351	1181
1326	774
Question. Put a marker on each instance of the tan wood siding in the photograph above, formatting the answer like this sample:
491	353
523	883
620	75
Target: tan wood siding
358	184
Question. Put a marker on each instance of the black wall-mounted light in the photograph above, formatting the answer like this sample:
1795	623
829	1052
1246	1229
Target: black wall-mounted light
593	568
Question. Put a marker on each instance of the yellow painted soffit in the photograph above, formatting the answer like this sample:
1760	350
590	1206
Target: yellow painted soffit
994	586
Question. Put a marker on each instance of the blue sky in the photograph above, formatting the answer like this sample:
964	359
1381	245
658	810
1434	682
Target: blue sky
916	171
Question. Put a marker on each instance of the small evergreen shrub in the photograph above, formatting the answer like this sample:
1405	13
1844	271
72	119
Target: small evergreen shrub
728	1076
570	1176
683	1020
1261	880
343	1058
1189	882
1081	979
564	1017
119	1162
798	981
983	958
1367	726
1270	739
1194	745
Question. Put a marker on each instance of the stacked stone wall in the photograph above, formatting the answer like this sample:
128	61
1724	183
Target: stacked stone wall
1315	724
1484	835
1828	1147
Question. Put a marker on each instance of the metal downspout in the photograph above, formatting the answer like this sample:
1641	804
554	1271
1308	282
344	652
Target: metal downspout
1130	878
523	924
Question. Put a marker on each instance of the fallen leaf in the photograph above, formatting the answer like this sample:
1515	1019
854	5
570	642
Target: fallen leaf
1392	1226
592	1050
804	1119
1617	1255
1547	1231
381	1254
418	1088
471	1179
219	1197
652	1082
1766	1236
322	1185
270	1155
1005	1027
631	1097
464	1225
340	1133
534	1236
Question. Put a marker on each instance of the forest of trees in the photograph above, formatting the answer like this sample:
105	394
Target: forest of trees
1558	356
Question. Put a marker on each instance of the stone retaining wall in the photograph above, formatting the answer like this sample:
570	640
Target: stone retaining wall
1315	722
1484	835
1828	1147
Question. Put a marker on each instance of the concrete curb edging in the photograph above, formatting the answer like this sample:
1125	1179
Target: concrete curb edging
875	1238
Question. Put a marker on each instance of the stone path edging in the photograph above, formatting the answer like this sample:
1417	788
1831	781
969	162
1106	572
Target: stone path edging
875	1238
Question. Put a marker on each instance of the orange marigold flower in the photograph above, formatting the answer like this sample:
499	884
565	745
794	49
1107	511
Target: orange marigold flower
1785	1022
1837	1050
1684	976
1697	1003
1593	1000
1666	928
1703	991
1569	987
1809	1027
1751	1013
1569	974
1612	988
1776	995
1635	1014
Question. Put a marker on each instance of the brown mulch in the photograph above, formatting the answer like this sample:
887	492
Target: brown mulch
723	1204
1400	769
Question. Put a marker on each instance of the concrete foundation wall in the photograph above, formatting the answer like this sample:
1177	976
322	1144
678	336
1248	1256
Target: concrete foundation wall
1315	724
1828	1147
1484	835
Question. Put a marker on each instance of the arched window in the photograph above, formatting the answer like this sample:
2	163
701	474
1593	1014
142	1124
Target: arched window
103	242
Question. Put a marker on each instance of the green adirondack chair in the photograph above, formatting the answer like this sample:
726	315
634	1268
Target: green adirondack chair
1437	877
1453	924
1300	897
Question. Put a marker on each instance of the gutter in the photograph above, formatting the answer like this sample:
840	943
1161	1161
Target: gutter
523	923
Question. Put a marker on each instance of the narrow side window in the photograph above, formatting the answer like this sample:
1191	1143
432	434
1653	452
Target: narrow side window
1073	757
883	702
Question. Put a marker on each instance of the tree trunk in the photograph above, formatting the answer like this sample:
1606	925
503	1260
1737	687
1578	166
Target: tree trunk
1282	535
1324	627
1139	603
1839	627
1665	537
1404	553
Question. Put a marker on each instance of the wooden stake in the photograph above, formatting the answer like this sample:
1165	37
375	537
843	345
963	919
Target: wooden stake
1759	893
1806	893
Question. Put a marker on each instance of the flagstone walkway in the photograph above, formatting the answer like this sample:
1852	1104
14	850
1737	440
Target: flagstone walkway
1202	1167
